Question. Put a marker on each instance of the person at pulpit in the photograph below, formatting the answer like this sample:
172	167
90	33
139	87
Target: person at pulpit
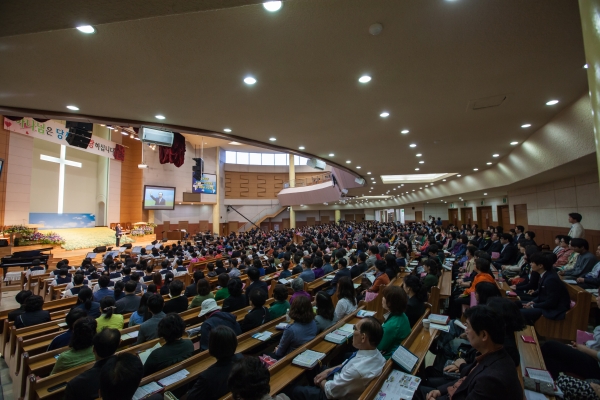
118	234
158	201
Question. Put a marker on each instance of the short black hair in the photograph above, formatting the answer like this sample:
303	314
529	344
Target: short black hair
579	242
74	315
120	377
576	216
103	281
84	330
198	275
253	274
171	327
280	292
106	342
484	318
373	329
222	342
156	303
34	303
130	286
258	297
175	288
223	279
249	379
78	279
22	296
539	259
235	286
508	236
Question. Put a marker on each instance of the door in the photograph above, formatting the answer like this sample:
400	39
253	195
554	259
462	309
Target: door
467	215
358	218
285	223
504	217
203	226
419	216
310	221
324	219
484	216
521	215
349	217
453	216
233	226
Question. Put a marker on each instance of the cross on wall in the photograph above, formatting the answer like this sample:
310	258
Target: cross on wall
62	162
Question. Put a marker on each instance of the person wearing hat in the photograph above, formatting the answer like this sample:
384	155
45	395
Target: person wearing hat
215	317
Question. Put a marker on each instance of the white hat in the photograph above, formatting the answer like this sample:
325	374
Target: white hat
208	305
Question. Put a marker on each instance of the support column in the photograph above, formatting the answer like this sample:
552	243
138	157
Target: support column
292	176
590	23
216	217
338	216
101	179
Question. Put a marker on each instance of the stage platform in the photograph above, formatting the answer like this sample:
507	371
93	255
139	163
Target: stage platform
84	238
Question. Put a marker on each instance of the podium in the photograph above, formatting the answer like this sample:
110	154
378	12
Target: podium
175	235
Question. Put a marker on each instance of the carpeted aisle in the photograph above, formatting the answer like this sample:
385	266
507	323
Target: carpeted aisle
83	238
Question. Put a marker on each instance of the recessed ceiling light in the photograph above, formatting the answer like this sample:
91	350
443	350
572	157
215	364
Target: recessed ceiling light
585	66
371	188
86	29
235	143
136	138
227	130
364	79
73	108
405	131
551	102
419	155
372	178
368	173
413	190
495	155
159	116
420	188
421	162
272	6
272	139
485	194
301	148
475	169
358	167
525	125
416	169
402	184
489	163
384	114
347	161
331	154
249	80
369	191
413	145
514	143
459	175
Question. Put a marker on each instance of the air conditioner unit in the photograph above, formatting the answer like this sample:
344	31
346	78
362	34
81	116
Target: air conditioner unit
156	136
360	181
316	164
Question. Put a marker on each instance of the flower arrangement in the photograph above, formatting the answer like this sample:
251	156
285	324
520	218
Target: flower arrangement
143	230
30	236
18	229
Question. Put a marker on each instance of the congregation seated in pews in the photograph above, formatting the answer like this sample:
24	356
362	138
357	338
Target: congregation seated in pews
231	325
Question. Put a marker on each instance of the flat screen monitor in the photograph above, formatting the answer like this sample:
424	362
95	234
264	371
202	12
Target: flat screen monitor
207	185
91	256
136	250
149	247
159	198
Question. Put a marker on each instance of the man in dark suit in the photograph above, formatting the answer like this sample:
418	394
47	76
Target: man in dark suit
509	252
341	272
192	290
519	229
254	276
158	201
492	375
552	298
118	234
495	246
178	303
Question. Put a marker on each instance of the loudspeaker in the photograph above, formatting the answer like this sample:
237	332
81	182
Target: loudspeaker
100	249
198	168
154	242
3	242
80	125
79	138
127	245
165	240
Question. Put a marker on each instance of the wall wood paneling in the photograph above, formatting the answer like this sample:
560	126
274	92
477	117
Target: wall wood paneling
4	140
132	179
253	185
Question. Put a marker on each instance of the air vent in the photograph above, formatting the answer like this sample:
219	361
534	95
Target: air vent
487	102
191	197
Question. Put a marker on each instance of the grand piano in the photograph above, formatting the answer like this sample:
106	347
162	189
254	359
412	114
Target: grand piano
24	258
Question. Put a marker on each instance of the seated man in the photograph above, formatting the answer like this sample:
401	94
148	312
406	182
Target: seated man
149	329
492	375
64	339
592	279
120	377
254	276
178	303
249	380
191	290
130	302
585	261
20	298
509	252
86	385
349	379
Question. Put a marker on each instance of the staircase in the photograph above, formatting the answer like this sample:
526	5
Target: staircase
271	212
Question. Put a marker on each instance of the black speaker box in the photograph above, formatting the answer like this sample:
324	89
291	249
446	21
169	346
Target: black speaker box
3	242
100	249
127	245
79	138
154	242
85	126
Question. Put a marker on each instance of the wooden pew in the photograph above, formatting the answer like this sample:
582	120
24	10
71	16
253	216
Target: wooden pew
530	353
576	318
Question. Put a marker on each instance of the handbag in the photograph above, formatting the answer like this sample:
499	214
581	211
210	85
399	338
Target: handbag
576	389
370	296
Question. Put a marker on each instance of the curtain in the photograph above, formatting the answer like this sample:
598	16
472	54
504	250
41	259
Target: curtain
174	154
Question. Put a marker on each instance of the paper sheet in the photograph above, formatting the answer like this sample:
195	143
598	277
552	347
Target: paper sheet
262	336
398	386
146	353
174	378
531	395
146	390
443	328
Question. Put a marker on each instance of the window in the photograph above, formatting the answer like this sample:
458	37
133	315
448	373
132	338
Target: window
255	159
242	158
230	157
281	159
238	157
268	159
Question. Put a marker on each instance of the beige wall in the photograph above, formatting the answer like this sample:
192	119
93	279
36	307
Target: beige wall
18	179
550	204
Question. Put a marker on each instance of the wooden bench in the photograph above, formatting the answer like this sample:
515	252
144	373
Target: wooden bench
576	318
530	353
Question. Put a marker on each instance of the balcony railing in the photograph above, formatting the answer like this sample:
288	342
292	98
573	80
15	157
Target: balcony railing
308	181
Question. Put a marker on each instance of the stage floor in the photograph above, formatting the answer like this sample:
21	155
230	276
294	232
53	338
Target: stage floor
85	238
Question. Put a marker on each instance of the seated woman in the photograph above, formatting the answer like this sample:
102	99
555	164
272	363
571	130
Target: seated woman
431	278
223	292
164	289
33	314
417	296
509	271
396	327
142	313
346	300
302	330
81	350
298	287
237	299
171	328
527	281
466	270
64	339
325	311
85	301
280	306
259	314
552	298
382	279
484	274
212	382
109	318
203	290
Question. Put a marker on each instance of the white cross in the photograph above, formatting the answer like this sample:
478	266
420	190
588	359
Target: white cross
62	161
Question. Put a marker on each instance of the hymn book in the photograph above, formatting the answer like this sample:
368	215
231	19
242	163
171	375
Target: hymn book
308	358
